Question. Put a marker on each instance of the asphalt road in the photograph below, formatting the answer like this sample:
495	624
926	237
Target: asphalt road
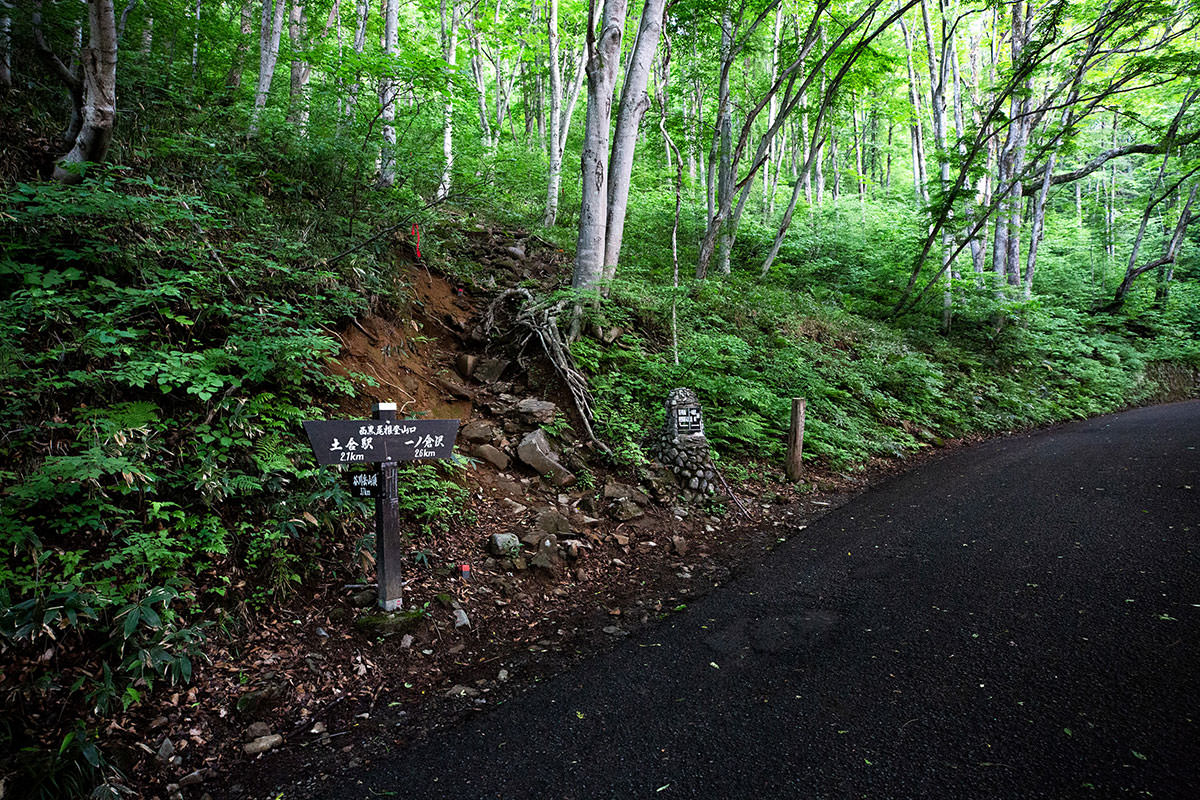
1020	619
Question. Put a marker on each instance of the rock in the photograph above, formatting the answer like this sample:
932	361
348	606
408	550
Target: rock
493	456
620	491
166	749
257	730
535	451
513	506
253	702
489	370
384	624
192	778
479	432
612	630
317	729
504	545
366	597
679	545
519	563
461	620
465	364
546	556
454	388
625	509
536	412
516	251
621	539
551	521
459	690
406	641
262	744
612	334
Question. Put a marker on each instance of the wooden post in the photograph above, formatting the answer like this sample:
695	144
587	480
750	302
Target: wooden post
796	440
388	544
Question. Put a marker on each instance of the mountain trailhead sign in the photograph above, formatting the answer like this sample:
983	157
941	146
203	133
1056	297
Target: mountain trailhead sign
385	441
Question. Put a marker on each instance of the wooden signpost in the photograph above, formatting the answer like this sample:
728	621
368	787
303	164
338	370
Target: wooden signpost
385	441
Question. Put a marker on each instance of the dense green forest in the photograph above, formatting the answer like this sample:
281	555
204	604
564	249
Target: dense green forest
930	220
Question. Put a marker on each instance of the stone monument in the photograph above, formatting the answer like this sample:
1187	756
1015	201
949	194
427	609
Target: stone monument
682	446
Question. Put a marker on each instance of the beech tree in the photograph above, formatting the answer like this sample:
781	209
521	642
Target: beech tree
93	93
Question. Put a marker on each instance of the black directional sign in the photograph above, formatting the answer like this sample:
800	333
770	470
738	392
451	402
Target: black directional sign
348	441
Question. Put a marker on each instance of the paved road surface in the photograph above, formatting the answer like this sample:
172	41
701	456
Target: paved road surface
1016	620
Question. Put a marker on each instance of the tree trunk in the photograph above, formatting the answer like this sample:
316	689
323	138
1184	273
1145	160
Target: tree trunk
561	115
233	79
480	81
915	129
556	100
604	58
389	94
297	108
634	103
5	45
268	40
450	51
96	91
1171	251
361	11
196	43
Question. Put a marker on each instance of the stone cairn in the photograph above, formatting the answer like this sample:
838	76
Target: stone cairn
682	447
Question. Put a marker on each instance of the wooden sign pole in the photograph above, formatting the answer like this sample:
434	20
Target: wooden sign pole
385	441
795	469
388	545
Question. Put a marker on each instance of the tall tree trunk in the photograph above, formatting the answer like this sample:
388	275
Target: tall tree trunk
268	40
389	94
480	80
562	109
939	63
196	43
450	20
916	130
233	79
98	110
297	108
604	58
362	9
556	100
634	103
5	45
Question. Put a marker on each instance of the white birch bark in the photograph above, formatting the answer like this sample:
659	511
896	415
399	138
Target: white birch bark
450	22
268	39
554	178
634	103
604	57
196	42
389	94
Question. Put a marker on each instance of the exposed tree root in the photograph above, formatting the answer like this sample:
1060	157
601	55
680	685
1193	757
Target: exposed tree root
538	319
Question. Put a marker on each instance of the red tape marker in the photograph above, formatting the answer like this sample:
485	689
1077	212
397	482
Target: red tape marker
417	233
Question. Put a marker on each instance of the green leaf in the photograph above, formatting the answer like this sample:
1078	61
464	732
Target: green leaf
131	621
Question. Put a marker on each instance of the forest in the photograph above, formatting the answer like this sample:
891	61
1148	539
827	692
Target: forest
933	220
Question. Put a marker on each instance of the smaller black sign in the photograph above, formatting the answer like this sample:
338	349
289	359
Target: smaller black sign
364	484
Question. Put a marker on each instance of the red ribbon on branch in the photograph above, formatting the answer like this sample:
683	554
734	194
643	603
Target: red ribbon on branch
417	233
